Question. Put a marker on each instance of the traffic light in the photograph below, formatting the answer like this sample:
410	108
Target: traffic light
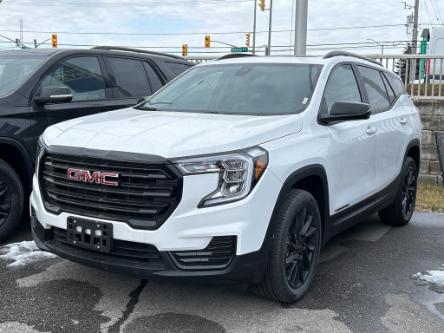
262	4
54	40
207	41
247	39
184	50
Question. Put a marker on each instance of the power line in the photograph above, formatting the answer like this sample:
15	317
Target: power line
437	11
120	4
196	33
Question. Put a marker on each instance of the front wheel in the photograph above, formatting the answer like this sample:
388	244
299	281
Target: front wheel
11	200
295	249
401	210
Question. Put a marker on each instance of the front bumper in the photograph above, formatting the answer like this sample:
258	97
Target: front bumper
244	268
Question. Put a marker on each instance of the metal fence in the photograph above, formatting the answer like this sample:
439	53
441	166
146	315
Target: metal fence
423	75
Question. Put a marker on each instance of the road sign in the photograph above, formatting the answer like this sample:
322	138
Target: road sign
239	49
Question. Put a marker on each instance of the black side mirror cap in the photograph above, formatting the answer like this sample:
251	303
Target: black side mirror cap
53	94
344	111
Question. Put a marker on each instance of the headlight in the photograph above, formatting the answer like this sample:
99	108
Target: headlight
238	173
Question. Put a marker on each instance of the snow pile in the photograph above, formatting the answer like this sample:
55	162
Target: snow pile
23	253
432	277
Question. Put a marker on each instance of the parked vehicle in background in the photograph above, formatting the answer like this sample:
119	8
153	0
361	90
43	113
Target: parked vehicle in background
39	88
436	48
239	170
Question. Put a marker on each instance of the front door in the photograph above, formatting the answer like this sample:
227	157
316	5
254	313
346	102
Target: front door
352	144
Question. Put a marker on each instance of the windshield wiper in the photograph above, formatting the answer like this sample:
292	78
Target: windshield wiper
147	108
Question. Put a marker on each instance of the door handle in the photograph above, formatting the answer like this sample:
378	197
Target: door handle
371	130
403	121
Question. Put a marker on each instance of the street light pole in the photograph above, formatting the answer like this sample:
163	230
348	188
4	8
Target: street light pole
254	27
300	28
269	28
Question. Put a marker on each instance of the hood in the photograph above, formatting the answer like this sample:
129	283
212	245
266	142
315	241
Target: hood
170	134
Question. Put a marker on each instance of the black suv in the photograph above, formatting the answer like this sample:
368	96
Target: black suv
39	88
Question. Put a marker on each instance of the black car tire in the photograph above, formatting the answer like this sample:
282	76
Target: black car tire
294	253
401	210
11	200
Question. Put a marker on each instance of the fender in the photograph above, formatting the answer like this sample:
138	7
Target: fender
296	177
414	143
29	169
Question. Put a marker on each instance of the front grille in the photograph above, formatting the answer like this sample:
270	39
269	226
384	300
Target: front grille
217	255
127	252
146	194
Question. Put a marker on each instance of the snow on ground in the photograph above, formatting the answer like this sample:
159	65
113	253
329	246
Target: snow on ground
22	253
435	277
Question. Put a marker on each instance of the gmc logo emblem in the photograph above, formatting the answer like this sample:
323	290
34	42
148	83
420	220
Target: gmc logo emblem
97	177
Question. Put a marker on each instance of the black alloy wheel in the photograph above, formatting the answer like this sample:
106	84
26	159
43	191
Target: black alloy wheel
400	211
408	194
301	245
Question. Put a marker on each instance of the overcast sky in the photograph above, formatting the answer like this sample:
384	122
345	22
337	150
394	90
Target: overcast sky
177	18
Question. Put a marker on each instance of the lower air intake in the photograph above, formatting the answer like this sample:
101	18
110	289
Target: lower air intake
217	255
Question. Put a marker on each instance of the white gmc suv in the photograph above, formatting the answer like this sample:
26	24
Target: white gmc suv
238	170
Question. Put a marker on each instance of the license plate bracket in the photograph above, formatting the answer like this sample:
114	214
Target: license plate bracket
91	235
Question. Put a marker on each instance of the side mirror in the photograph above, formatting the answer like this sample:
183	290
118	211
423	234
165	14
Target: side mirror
343	111
53	94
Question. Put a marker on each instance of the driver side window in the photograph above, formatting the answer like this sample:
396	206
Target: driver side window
341	87
82	75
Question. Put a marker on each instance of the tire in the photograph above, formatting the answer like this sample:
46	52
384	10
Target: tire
297	240
11	200
401	210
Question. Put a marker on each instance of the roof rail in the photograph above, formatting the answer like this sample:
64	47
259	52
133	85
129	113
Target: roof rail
333	54
128	49
235	55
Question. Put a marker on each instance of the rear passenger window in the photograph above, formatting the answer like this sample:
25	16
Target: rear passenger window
396	83
377	95
341	87
154	79
176	67
389	89
130	77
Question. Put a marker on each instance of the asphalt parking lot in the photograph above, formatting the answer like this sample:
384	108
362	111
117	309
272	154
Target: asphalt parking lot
364	284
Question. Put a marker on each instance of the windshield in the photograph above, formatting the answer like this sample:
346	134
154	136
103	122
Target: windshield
259	89
15	70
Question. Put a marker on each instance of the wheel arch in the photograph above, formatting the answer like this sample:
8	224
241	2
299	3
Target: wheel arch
413	150
13	153
313	179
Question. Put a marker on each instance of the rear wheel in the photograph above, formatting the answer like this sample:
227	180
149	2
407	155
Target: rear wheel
295	250
11	200
401	210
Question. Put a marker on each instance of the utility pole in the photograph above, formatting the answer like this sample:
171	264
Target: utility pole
415	27
269	28
300	28
254	27
21	31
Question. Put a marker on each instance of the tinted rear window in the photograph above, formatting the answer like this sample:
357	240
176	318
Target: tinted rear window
177	68
375	88
130	77
396	84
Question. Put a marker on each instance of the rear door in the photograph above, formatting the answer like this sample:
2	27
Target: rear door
352	148
132	79
389	145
